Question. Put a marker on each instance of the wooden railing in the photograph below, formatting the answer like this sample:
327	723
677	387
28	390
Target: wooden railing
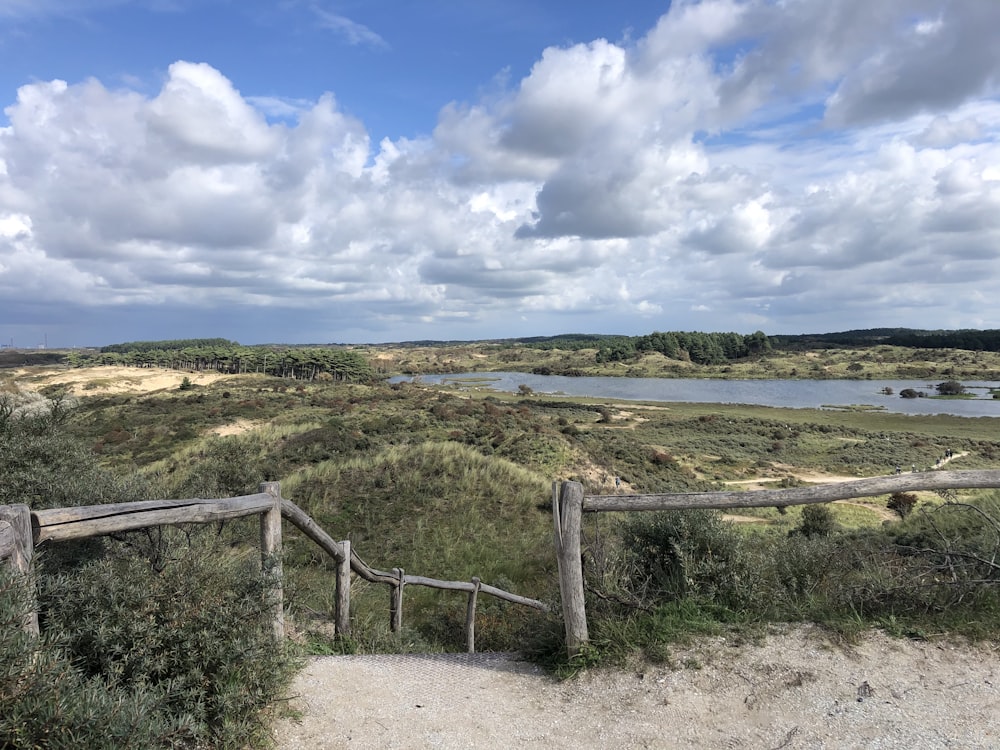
22	529
569	504
16	547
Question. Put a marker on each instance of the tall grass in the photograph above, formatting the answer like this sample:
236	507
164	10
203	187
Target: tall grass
435	509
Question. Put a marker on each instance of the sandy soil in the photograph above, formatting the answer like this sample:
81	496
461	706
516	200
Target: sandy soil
796	690
102	380
236	428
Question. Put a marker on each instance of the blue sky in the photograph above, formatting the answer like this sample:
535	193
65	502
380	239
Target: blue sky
386	171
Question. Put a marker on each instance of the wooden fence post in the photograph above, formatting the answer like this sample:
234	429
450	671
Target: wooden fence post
470	617
18	546
342	625
567	514
270	552
396	603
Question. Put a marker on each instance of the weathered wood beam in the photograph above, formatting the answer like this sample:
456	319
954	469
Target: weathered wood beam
396	601
19	549
204	512
342	615
470	618
922	480
270	555
56	516
311	529
567	512
7	542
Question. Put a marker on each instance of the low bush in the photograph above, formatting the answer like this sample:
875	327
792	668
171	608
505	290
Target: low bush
48	703
934	571
902	503
195	636
153	639
817	520
677	553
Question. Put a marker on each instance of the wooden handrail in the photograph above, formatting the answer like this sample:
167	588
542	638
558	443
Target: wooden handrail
569	503
61	524
54	516
824	493
310	528
89	521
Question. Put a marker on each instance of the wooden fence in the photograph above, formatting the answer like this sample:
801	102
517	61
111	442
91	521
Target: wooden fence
22	529
569	504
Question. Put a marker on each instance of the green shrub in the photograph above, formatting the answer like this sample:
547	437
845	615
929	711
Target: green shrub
48	703
676	553
196	636
817	520
159	638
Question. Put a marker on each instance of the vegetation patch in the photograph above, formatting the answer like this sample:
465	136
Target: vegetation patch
454	484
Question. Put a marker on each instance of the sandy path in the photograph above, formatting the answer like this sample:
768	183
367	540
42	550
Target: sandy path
797	690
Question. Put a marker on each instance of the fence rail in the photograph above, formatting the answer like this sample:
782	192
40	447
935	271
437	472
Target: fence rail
569	504
22	529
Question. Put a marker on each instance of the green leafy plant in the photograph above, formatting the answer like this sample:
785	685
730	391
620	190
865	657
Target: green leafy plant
817	520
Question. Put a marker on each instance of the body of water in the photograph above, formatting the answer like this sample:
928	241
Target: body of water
802	394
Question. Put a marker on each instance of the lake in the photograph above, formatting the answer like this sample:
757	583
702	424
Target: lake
801	394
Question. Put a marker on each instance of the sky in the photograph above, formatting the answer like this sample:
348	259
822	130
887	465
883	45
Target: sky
324	171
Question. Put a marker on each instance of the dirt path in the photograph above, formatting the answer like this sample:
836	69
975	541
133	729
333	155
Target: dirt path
796	691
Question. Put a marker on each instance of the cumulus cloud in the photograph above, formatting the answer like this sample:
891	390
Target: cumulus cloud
742	165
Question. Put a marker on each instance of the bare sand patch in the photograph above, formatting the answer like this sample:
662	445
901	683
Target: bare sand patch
236	428
89	381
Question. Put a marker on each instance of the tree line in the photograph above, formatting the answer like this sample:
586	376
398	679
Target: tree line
913	338
221	355
697	347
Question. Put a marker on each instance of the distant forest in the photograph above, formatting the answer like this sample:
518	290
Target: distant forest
718	348
222	355
971	339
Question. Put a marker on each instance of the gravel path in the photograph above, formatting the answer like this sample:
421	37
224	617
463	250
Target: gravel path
796	690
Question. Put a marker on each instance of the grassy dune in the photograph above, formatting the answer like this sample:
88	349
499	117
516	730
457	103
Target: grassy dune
453	485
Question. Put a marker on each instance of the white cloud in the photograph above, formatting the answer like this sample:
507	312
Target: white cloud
943	132
750	162
353	32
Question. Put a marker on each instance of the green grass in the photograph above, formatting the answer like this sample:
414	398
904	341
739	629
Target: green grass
439	510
